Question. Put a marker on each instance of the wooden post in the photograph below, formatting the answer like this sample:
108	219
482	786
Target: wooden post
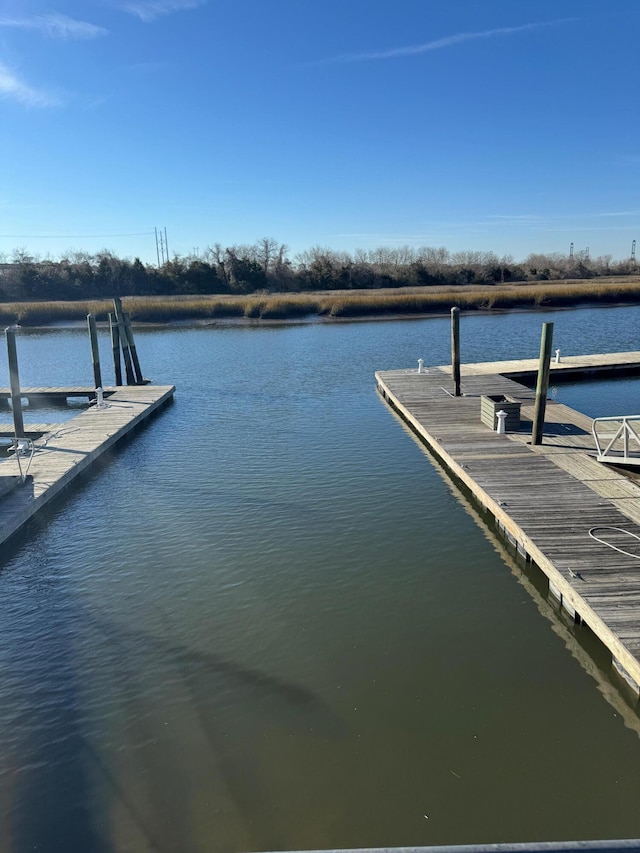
95	352
115	348
455	350
544	365
128	367
14	379
132	347
117	307
124	342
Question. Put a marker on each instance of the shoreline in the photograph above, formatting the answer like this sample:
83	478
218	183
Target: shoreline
320	307
311	319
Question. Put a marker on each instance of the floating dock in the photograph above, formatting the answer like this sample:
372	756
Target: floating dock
566	369
572	516
61	452
52	396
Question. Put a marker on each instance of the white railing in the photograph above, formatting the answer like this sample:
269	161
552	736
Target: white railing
614	444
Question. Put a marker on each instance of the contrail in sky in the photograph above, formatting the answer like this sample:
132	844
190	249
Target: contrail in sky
54	26
440	44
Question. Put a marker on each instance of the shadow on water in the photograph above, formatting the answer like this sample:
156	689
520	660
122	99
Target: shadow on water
66	789
61	788
193	662
54	804
211	685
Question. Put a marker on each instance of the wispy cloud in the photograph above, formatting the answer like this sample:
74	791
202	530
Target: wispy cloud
440	44
148	67
515	217
578	229
96	102
15	89
55	26
149	10
622	213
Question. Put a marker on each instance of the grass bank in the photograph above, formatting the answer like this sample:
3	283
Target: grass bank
334	304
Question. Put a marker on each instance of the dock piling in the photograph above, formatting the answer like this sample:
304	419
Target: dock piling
137	370
95	352
115	348
128	366
544	365
131	363
124	342
14	380
455	350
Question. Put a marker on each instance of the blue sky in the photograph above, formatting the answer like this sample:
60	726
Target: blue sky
510	126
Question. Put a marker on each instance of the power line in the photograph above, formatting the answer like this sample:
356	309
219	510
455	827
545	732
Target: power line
72	236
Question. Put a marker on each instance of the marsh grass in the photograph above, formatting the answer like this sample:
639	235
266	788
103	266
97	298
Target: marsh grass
286	308
336	304
491	298
165	309
41	313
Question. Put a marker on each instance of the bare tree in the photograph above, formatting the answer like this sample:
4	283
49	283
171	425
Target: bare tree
267	250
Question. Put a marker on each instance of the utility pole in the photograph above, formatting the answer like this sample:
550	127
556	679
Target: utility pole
162	246
633	251
571	252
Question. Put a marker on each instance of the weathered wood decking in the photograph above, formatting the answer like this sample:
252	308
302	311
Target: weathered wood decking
569	367
545	498
46	396
65	450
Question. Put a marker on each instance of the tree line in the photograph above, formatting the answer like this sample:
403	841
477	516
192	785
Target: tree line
267	266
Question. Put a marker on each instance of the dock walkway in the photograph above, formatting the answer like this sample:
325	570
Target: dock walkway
545	498
569	367
64	451
48	395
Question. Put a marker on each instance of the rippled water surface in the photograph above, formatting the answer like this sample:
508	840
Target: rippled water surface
270	622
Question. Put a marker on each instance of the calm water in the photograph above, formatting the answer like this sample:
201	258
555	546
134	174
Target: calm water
269	622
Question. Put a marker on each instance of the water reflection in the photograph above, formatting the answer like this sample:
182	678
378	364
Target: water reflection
268	623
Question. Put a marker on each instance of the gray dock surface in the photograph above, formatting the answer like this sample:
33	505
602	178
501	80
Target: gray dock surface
63	451
569	366
545	498
43	395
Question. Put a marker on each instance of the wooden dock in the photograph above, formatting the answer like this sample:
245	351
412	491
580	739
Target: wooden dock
63	451
52	396
568	368
549	500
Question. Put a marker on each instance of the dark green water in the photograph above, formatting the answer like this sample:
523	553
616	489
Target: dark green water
269	622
